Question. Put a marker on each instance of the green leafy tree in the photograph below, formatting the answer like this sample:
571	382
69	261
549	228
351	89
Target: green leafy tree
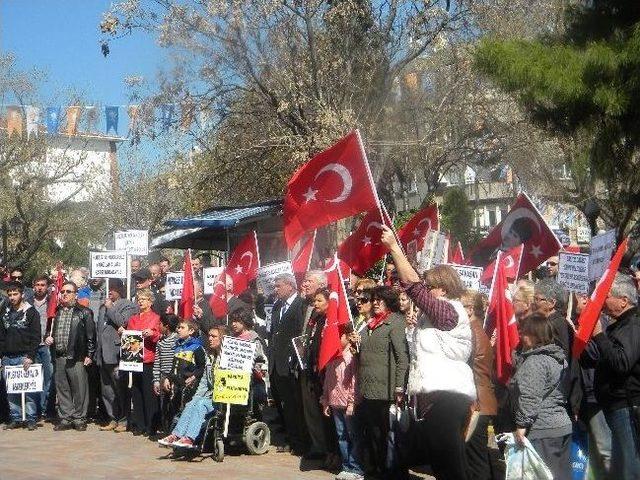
456	216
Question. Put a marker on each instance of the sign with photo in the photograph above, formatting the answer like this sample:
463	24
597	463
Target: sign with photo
209	276
131	351
134	242
109	264
434	252
173	286
19	380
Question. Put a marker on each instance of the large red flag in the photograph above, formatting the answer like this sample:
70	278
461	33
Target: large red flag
54	293
302	252
335	184
456	255
418	227
338	314
500	314
591	312
188	297
244	262
363	248
218	300
511	260
522	225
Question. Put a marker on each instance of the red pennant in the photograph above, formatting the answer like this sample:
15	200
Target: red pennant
456	256
591	312
187	299
511	261
244	262
334	184
418	227
218	300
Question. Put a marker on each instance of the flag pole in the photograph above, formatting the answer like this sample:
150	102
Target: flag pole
493	283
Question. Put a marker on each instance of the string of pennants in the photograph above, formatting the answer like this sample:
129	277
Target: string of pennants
29	118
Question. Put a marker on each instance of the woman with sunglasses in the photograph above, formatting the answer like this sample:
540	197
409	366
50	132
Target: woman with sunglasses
440	379
365	308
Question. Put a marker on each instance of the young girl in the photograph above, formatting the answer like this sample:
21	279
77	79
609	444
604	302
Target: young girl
338	399
538	402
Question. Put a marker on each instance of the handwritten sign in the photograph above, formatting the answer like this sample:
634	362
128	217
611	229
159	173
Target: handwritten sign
237	354
131	351
266	276
173	286
602	247
110	264
231	386
434	251
209	276
573	271
470	276
134	242
19	380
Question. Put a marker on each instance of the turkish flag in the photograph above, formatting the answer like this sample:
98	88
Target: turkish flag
591	312
338	314
500	314
418	227
188	297
511	260
363	248
218	300
302	252
335	184
244	262
456	256
522	225
54	293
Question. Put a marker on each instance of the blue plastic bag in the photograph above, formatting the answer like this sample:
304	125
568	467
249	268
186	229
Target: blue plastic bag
523	463
579	453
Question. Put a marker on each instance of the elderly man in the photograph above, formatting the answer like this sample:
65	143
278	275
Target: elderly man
617	375
287	319
552	265
550	300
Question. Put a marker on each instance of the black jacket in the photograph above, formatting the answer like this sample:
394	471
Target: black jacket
82	335
20	332
282	356
617	375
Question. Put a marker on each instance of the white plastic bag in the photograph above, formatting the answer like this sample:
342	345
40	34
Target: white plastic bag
523	463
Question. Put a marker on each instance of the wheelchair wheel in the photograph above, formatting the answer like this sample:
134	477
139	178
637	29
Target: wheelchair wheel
257	438
218	450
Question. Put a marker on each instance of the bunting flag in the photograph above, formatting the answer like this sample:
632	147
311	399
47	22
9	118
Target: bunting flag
363	248
188	297
218	300
457	255
511	260
591	312
418	226
302	253
14	121
523	225
338	314
73	117
244	263
33	120
53	120
91	116
334	184
500	315
111	114
133	111
166	116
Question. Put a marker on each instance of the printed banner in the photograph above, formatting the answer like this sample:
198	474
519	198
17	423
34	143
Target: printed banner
265	280
573	271
110	264
19	380
131	351
231	386
209	276
173	286
111	114
134	242
237	354
602	247
470	276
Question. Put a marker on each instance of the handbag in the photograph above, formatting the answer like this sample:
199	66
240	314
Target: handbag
523	462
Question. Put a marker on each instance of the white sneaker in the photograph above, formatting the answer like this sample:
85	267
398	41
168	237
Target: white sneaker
344	475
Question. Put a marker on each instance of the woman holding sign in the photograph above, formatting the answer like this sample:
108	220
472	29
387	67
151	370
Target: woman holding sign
145	412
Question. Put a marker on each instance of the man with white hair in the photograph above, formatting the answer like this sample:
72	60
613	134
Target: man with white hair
617	375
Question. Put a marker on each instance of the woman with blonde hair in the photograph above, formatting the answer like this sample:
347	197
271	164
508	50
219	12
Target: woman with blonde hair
523	299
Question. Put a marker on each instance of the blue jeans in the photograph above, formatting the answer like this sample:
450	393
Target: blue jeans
599	442
43	356
347	440
625	461
15	399
193	416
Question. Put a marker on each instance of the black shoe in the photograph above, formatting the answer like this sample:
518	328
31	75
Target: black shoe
63	426
80	426
31	426
314	456
13	425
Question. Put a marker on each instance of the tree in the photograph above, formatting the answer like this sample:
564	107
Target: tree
580	85
457	216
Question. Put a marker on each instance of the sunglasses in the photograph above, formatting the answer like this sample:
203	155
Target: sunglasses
16	277
67	291
362	301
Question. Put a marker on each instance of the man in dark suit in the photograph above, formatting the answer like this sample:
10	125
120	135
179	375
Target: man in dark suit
287	320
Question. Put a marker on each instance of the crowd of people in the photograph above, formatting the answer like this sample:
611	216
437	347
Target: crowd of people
415	383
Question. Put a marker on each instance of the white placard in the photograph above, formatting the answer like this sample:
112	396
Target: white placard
19	380
134	242
131	351
583	234
173	286
470	276
602	247
110	264
237	354
434	251
268	308
209	276
265	279
573	271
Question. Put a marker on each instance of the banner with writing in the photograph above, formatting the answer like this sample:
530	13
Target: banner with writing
470	276
434	251
134	242
237	354
231	386
602	247
19	380
265	280
209	276
573	271
173	286
110	264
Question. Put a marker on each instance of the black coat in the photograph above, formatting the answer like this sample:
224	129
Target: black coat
20	332
82	335
282	356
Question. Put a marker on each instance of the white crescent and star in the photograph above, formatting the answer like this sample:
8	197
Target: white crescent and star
366	239
508	261
345	176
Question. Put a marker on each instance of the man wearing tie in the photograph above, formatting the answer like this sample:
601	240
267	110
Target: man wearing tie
287	320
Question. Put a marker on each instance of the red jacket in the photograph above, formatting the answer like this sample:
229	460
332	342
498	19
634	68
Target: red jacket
142	321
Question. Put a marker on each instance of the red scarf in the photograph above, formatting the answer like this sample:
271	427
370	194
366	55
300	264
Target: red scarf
377	320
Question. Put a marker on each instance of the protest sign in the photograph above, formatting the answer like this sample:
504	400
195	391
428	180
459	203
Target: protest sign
237	354
470	276
134	242
268	308
434	251
573	271
173	286
602	247
266	277
583	234
19	380
231	386
209	276
131	351
110	264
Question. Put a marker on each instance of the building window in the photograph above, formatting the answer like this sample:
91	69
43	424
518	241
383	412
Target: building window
492	217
